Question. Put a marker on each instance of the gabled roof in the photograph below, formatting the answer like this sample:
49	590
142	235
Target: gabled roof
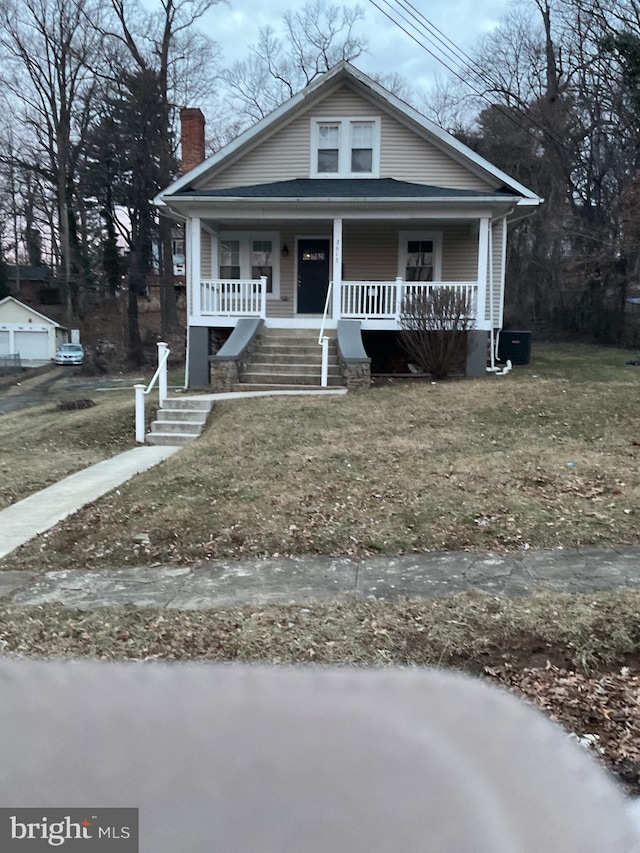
347	188
344	72
30	310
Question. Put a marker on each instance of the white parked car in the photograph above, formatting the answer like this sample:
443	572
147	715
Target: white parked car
70	354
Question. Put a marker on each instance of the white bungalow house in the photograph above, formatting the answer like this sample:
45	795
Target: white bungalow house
324	214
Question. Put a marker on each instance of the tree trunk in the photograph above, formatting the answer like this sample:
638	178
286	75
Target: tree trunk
135	352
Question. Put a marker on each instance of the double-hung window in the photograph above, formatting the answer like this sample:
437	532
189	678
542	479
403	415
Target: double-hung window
243	255
345	148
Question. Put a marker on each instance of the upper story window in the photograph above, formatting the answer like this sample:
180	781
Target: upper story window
345	148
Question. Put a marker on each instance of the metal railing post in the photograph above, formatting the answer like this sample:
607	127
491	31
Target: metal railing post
162	364
139	389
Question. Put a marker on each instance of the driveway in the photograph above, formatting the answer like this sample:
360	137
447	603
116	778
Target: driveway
33	388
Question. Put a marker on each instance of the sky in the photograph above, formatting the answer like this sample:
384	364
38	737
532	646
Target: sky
235	25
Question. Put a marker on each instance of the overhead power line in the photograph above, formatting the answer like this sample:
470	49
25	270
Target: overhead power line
454	59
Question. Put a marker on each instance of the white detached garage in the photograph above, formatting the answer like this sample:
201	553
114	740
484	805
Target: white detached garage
27	332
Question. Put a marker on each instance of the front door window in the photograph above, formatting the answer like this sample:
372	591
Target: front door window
420	255
419	260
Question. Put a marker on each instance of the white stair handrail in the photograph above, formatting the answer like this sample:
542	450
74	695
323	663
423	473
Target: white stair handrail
159	376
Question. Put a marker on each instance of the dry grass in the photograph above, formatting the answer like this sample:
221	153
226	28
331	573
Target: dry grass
41	445
545	456
471	630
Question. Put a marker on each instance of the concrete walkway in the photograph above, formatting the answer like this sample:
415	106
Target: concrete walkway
25	519
270	581
41	511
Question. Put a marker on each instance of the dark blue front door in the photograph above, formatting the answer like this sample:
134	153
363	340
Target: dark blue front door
313	275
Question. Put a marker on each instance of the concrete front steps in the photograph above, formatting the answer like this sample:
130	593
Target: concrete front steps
179	421
289	359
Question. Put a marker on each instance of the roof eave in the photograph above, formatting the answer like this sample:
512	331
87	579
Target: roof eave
489	199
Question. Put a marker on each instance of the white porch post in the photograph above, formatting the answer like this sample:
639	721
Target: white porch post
194	236
162	379
337	268
503	270
140	423
399	298
483	259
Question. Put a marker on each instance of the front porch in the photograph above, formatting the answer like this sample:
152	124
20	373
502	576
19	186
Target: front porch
316	272
378	305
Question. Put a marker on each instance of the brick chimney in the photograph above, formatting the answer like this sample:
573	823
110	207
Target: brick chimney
192	137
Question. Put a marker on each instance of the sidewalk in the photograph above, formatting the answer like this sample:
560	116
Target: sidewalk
271	581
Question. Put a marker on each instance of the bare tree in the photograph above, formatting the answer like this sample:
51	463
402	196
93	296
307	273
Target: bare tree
163	45
561	79
48	48
316	37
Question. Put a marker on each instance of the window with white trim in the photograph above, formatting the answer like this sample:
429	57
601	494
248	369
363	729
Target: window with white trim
420	255
244	255
345	148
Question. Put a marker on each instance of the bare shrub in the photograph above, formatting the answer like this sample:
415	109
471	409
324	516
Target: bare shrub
433	329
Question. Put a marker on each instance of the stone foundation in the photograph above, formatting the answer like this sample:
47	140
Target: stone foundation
357	375
223	375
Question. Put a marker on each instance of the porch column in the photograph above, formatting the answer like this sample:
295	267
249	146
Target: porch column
503	270
337	267
483	258
194	236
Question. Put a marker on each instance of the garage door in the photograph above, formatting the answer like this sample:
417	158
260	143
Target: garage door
4	342
32	345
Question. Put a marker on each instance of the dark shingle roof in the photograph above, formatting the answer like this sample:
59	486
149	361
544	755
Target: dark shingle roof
349	188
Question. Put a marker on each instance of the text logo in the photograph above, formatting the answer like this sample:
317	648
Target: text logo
87	830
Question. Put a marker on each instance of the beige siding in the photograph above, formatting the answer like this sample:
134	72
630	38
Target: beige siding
284	306
205	255
343	102
369	252
407	157
459	254
404	154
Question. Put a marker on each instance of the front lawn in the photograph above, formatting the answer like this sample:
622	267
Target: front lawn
543	457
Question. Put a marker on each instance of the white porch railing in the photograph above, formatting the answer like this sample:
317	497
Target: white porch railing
382	300
358	300
160	376
234	297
